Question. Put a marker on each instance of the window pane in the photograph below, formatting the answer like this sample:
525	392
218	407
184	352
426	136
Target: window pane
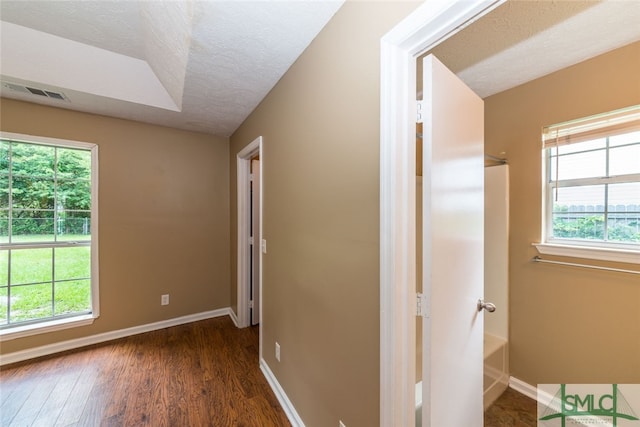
74	226
624	227
583	146
624	160
73	263
4	192
578	226
32	226
588	198
4	305
4	268
49	201
74	164
578	213
581	165
31	266
4	227
74	195
32	193
626	138
31	302
624	217
627	195
32	160
4	157
72	297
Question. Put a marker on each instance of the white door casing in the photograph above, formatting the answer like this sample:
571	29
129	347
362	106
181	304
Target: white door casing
428	25
453	249
255	246
243	163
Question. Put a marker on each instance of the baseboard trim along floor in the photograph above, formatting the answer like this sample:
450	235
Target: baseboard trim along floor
46	350
286	404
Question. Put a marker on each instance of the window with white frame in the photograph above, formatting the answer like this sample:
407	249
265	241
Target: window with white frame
592	181
47	232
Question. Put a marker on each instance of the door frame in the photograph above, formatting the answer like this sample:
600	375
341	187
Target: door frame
244	248
430	24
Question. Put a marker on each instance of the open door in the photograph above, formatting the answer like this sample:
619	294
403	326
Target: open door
453	251
255	245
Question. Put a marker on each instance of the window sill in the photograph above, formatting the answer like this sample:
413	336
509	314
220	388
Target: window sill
44	327
589	252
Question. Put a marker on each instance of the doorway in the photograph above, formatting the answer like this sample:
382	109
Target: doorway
250	201
254	241
426	27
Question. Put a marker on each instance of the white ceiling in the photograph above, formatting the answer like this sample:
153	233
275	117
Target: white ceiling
205	65
196	65
522	40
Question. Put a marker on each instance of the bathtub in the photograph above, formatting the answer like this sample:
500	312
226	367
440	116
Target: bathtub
496	373
496	368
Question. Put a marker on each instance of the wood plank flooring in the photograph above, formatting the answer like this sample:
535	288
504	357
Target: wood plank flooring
201	374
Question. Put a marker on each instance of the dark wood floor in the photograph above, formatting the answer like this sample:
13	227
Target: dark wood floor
201	374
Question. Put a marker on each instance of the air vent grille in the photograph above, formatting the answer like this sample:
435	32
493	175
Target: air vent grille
35	91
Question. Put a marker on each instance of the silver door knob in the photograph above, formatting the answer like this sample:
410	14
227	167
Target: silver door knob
486	306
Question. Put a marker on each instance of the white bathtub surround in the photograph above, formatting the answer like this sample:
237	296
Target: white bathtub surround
496	368
496	282
496	375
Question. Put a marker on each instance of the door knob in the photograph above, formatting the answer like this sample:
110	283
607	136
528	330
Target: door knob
486	305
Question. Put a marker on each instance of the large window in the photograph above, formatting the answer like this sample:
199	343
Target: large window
47	219
593	181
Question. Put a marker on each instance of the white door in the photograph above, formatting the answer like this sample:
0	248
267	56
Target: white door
452	215
255	246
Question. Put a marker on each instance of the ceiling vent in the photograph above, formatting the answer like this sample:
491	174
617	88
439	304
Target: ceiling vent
35	91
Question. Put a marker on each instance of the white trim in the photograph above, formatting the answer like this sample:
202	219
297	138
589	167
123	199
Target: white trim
589	252
45	350
45	327
95	258
530	391
523	388
43	140
282	397
233	317
428	25
243	162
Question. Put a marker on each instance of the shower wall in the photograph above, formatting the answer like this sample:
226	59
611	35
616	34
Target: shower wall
496	249
496	282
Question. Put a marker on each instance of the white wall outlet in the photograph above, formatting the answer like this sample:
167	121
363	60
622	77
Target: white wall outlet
277	352
341	424
164	299
263	244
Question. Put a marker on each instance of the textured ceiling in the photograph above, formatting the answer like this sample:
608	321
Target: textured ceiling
214	61
522	40
205	65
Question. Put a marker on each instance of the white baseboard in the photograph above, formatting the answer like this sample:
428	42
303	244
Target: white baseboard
286	404
45	350
233	317
529	390
523	388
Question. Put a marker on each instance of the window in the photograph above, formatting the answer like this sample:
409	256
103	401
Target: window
47	234
592	169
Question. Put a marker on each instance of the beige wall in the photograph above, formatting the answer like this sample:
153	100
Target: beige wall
321	218
568	325
164	216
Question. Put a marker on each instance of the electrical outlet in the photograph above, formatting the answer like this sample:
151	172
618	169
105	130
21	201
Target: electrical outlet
341	424
164	299
277	352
